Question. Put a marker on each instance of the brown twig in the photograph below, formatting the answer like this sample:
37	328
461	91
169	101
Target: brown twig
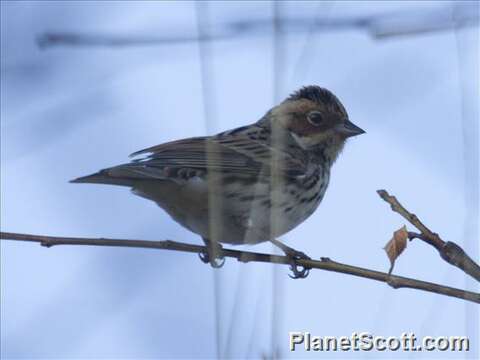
247	256
380	26
51	39
448	250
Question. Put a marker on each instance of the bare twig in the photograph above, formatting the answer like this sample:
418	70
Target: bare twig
247	256
448	250
379	26
49	39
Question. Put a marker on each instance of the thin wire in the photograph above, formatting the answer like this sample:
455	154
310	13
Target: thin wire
254	332
206	66
278	66
470	156
279	56
207	81
469	129
277	285
308	45
238	294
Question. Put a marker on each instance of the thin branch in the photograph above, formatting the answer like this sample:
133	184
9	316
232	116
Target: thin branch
379	26
50	39
448	250
247	256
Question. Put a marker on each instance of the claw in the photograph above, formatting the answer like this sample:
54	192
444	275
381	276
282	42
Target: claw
203	255
299	274
215	262
299	271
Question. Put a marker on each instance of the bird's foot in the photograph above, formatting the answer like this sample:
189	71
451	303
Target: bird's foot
214	262
298	271
212	255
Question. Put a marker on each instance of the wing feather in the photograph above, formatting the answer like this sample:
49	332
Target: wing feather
232	152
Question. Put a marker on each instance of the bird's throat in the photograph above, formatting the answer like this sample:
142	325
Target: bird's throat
327	152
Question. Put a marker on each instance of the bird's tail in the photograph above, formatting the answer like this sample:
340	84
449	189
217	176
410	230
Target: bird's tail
103	177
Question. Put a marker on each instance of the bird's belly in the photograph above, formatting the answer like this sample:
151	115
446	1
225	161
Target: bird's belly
231	214
294	206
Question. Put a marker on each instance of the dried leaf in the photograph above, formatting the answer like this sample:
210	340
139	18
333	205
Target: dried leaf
396	245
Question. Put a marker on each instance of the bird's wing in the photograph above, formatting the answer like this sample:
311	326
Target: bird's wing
235	153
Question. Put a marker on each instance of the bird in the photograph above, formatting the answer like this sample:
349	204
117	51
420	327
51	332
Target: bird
247	185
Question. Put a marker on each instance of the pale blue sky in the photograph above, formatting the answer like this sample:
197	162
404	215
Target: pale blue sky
67	112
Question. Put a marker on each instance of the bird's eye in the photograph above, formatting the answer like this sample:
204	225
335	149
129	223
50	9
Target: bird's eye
315	118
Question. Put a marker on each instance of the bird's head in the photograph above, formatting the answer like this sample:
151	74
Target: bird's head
315	118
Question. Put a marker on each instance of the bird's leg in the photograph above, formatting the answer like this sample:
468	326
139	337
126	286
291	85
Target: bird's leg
299	271
213	254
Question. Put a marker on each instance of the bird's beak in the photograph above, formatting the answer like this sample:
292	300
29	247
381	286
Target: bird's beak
347	129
